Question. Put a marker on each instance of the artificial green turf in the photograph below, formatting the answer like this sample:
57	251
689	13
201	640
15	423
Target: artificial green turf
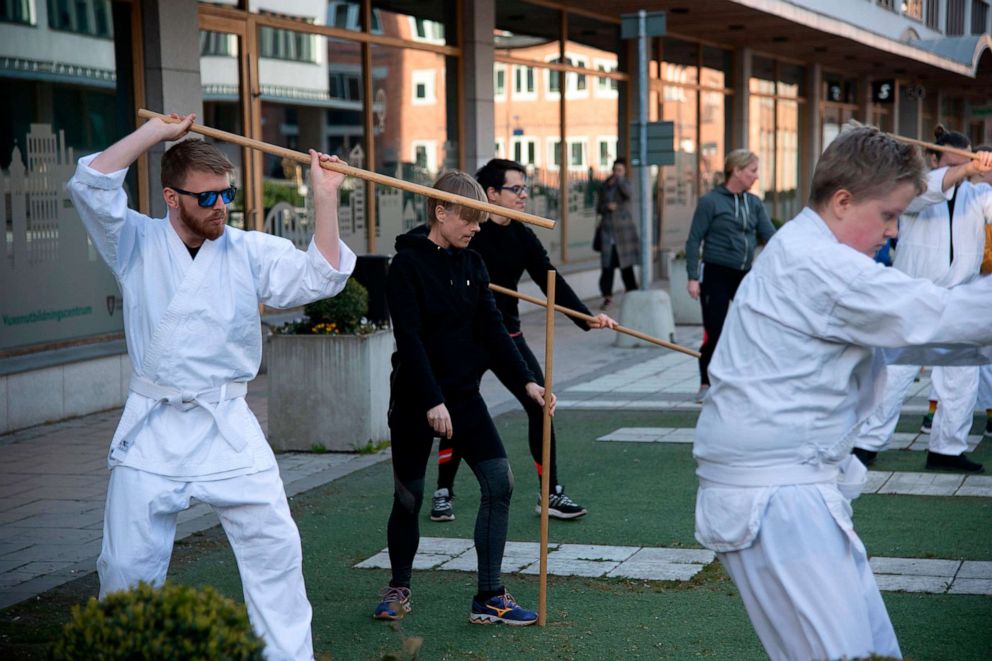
639	494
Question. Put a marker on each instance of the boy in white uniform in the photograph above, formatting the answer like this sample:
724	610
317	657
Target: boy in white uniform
191	291
794	374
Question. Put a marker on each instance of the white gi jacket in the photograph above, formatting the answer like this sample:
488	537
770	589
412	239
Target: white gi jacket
794	373
926	232
193	330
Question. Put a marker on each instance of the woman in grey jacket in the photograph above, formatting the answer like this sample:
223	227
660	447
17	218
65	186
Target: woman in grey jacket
728	222
620	246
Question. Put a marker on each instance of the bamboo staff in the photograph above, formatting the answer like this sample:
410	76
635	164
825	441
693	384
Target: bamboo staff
549	356
922	143
351	171
589	318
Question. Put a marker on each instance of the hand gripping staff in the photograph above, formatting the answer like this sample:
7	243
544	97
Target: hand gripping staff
374	177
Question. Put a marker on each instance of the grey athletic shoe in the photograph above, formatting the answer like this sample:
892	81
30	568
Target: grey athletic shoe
560	506
441	509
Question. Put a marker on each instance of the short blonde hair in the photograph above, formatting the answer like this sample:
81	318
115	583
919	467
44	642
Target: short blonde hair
459	183
866	163
739	158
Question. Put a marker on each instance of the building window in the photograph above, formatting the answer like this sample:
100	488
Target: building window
431	32
17	11
220	44
499	82
524	150
933	14
577	155
287	45
913	9
979	17
554	154
523	82
345	85
575	83
887	4
955	18
423	87
425	155
607	151
606	87
500	150
89	17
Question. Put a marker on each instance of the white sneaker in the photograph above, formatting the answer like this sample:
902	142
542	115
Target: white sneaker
701	393
441	509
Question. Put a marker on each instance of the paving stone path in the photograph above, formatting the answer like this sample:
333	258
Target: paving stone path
670	564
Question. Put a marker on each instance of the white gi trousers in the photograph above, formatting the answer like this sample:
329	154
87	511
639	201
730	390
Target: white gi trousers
877	430
985	387
810	594
956	391
140	526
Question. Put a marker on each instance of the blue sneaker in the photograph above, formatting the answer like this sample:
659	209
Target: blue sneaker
501	609
393	605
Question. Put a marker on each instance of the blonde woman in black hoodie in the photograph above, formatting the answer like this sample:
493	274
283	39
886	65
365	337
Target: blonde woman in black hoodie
447	331
726	228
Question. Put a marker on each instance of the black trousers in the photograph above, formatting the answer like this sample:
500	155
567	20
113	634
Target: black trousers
606	275
717	289
476	436
450	453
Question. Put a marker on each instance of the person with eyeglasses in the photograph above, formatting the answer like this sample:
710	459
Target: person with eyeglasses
508	250
192	288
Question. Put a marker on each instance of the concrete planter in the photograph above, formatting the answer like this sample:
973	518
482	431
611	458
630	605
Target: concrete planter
684	309
328	391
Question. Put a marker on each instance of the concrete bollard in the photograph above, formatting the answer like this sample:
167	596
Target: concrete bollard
649	311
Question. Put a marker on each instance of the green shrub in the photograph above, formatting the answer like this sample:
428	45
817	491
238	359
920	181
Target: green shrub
341	314
171	622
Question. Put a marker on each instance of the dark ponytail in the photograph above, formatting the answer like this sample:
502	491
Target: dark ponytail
946	138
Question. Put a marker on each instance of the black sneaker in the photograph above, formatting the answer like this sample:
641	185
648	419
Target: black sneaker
867	457
441	509
952	462
988	428
561	506
927	423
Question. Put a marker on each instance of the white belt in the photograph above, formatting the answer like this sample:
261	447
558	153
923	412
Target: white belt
187	399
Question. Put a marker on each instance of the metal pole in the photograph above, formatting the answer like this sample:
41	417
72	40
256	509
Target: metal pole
642	156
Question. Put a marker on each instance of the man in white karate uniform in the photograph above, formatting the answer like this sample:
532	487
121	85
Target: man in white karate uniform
191	289
794	375
941	238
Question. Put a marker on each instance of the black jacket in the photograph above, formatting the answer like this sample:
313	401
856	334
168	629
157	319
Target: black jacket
445	322
508	251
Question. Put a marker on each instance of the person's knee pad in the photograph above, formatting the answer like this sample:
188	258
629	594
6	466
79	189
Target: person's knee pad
495	479
408	494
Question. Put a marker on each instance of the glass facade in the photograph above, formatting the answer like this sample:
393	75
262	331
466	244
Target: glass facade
56	289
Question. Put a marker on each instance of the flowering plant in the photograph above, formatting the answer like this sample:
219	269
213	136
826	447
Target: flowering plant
343	314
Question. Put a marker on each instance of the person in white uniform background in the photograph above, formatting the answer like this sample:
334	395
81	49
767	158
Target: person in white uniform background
941	238
794	375
192	288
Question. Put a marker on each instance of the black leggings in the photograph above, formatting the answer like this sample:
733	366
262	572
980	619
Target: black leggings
717	289
450	453
476	436
606	275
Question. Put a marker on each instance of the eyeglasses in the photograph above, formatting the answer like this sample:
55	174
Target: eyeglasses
208	198
516	190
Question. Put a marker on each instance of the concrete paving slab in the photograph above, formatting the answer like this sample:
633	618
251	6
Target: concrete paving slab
678	556
661	571
915	566
971	586
593	552
922	484
571	567
975	569
900	583
976	485
875	480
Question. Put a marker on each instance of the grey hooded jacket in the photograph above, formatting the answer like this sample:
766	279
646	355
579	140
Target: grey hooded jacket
728	225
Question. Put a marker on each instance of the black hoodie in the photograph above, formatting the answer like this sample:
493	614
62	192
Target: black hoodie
447	328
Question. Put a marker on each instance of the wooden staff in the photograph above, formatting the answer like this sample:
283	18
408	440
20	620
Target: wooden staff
375	177
589	318
932	146
549	359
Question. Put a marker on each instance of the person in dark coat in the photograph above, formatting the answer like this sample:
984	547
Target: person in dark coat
447	331
618	241
508	250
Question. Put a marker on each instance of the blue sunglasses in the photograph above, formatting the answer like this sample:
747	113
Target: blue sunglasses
208	198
